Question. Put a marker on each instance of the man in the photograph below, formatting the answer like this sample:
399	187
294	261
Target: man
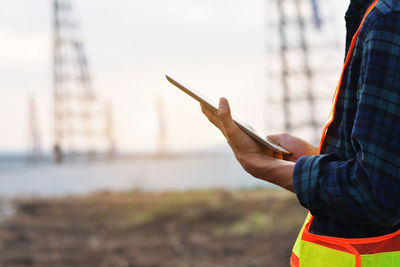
351	183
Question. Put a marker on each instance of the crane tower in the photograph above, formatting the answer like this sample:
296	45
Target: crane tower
302	44
81	122
34	133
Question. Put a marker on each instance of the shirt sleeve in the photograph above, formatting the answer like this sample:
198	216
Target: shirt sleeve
364	189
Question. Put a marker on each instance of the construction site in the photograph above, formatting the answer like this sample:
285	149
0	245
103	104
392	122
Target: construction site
117	172
83	121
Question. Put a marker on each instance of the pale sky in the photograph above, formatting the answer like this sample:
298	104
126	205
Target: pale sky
218	47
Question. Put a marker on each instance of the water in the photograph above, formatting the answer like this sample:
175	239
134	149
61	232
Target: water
19	178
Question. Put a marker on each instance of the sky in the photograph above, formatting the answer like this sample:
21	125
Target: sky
217	47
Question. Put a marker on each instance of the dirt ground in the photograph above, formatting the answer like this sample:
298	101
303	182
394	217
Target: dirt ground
206	228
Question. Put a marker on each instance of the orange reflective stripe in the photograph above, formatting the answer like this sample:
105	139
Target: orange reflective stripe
380	246
294	261
371	245
355	246
335	97
330	242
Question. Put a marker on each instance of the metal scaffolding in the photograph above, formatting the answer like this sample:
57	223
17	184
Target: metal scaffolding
34	133
162	129
80	120
298	66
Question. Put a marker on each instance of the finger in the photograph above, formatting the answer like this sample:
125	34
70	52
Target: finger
275	138
224	114
209	114
212	117
289	158
206	111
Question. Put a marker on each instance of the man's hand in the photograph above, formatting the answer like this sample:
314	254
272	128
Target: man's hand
254	159
298	147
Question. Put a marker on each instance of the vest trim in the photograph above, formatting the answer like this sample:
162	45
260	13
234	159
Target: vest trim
317	250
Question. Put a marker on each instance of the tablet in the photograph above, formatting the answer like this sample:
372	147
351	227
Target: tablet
256	137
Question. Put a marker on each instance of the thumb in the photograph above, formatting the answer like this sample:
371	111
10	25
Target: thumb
224	114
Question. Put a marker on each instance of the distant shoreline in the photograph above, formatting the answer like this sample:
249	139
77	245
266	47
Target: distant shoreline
157	173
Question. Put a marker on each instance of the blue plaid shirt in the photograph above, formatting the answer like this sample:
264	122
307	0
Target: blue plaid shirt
353	187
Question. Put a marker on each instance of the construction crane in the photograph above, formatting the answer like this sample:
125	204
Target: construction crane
316	14
34	133
109	133
76	105
162	132
295	68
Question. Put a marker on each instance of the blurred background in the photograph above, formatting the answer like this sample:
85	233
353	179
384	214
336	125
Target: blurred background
104	163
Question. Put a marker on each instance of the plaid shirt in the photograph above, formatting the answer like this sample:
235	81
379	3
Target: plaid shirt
353	187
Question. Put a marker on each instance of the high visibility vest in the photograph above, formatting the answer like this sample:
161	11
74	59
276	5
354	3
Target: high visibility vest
311	250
